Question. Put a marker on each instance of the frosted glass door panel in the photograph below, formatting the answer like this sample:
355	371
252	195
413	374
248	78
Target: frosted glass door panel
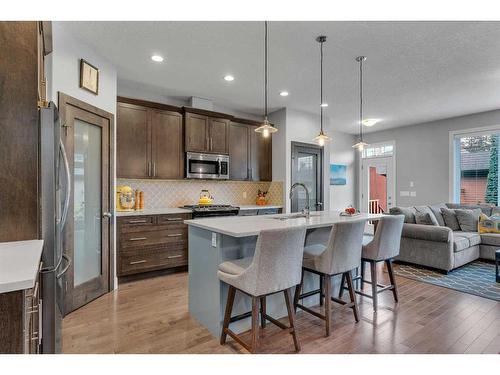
87	202
306	173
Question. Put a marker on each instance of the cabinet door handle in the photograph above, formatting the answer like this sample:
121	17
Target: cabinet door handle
138	262
174	219
149	169
174	256
138	239
154	169
137	221
174	235
211	143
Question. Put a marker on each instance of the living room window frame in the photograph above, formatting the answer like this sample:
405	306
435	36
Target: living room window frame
454	156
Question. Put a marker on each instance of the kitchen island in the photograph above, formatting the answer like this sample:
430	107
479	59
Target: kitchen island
216	240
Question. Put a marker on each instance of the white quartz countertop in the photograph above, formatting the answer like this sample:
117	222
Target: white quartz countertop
256	207
154	211
19	262
244	226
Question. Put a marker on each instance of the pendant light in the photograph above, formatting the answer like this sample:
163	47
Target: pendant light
266	128
361	144
322	138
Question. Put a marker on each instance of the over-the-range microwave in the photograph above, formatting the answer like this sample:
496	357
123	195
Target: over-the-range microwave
207	166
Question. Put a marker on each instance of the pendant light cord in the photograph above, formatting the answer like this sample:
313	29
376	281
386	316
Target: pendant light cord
361	100
321	88
265	71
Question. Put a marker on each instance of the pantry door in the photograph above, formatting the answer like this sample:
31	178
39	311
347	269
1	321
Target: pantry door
86	237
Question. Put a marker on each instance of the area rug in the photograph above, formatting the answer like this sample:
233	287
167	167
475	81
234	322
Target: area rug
476	278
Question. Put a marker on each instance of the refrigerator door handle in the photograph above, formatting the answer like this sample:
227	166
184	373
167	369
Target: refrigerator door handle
68	185
68	263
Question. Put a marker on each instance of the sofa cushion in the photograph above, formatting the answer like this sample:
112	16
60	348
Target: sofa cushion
468	219
460	243
473	237
408	212
427	232
491	239
430	218
485	208
436	210
450	219
425	218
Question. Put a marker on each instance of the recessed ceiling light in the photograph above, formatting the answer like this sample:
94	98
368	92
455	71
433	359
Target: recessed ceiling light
229	78
370	121
157	58
284	93
324	104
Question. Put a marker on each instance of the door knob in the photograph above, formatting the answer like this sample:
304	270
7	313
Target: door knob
107	214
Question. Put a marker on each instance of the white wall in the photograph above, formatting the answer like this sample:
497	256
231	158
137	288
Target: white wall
422	155
297	126
65	61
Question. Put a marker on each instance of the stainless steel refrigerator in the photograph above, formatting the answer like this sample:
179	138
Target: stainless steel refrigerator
54	198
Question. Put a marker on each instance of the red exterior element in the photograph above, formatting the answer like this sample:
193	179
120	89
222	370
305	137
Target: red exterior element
378	188
472	190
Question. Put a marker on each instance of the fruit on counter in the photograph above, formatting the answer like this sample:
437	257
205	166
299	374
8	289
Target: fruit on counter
350	210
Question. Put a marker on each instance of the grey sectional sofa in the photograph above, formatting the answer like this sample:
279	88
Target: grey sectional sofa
440	247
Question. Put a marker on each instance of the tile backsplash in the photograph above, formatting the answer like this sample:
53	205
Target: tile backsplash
170	193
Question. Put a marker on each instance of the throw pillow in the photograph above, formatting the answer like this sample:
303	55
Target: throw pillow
436	210
408	212
468	219
450	219
488	224
425	218
429	217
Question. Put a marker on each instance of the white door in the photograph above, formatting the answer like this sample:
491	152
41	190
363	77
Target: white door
377	185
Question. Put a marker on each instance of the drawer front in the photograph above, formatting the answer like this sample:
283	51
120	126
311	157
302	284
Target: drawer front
142	260
153	237
136	221
173	219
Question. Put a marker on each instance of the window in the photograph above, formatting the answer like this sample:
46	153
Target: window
378	150
476	168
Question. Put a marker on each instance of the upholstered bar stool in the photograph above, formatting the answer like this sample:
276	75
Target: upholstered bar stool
383	248
275	267
341	255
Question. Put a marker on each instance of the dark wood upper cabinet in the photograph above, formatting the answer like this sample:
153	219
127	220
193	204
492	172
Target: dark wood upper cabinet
239	151
149	142
197	132
218	135
261	157
133	141
206	131
167	150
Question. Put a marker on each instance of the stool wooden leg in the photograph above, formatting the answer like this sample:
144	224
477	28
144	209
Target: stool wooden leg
298	290
291	318
227	315
390	270
342	283
350	286
255	324
263	312
321	291
362	274
328	294
373	270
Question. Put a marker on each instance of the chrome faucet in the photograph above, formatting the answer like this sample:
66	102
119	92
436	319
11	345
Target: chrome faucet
306	209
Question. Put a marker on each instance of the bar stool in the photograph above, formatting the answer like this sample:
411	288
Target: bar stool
275	267
383	248
340	256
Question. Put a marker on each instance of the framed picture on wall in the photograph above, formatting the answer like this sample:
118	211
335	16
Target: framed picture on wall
338	174
89	77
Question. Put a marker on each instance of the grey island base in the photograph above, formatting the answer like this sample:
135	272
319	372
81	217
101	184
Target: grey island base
216	240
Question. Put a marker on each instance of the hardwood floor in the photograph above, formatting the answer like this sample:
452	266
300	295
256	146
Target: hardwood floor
151	316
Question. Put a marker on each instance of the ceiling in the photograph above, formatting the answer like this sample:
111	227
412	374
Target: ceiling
415	71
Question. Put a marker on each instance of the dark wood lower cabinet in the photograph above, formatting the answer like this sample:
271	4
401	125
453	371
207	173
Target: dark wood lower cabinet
20	321
151	243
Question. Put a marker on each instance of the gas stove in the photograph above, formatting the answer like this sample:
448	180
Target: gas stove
212	210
